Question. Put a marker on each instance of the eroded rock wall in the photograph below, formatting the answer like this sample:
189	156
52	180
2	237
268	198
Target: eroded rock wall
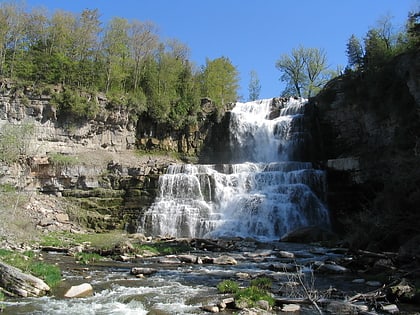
370	132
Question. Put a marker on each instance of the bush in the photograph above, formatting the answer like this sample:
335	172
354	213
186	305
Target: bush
228	286
251	295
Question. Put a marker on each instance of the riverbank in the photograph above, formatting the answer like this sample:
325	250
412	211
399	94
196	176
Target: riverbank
131	274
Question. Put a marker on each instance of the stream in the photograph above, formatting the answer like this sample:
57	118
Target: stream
183	288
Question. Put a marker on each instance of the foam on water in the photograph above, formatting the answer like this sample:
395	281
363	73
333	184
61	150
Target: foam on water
262	194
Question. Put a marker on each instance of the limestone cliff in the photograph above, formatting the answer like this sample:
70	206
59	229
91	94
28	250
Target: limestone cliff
369	126
93	161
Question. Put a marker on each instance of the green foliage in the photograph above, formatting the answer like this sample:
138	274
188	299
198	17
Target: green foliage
51	274
354	52
304	71
7	188
14	141
72	106
263	283
88	258
162	248
28	262
228	286
60	159
258	290
220	81
251	295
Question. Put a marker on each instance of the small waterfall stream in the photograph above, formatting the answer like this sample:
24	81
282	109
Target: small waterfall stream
263	194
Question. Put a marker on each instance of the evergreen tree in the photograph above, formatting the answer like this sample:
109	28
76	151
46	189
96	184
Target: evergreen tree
354	52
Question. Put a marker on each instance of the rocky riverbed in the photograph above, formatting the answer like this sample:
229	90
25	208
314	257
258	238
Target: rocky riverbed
303	279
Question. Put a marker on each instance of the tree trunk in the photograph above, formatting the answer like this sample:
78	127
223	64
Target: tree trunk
16	283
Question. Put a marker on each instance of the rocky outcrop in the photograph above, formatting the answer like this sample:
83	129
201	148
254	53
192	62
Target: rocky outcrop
369	127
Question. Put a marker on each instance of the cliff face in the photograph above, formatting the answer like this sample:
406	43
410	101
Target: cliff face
369	127
92	161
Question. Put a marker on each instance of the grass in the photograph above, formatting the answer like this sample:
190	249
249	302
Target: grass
102	241
28	262
60	159
88	258
249	296
228	286
162	248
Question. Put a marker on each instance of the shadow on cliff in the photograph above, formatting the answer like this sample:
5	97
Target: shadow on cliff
369	126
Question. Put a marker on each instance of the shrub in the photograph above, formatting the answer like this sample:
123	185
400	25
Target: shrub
251	295
228	286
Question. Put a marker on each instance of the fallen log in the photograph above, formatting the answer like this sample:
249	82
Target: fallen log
14	282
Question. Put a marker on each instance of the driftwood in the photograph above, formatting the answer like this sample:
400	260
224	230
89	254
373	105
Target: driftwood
14	282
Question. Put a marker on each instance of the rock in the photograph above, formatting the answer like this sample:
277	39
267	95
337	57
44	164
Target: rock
330	268
308	234
360	280
143	271
79	291
284	254
373	283
403	291
225	260
341	307
210	308
263	304
62	217
390	308
190	259
290	308
16	283
283	267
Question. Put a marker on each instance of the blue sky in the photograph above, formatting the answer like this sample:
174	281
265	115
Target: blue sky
251	33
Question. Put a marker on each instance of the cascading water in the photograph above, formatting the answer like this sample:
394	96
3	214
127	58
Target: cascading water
262	194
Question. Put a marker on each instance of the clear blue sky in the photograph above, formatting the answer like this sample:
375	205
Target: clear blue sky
251	33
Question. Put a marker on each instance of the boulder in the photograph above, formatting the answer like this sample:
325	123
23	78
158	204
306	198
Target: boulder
14	282
225	260
79	291
308	234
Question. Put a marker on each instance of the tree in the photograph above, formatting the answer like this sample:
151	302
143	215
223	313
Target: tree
315	61
115	50
220	81
254	87
354	52
304	71
143	41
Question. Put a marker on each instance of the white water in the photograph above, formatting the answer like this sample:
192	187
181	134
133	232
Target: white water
262	195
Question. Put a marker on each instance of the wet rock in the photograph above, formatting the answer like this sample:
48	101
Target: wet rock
169	260
373	283
329	268
390	308
190	259
341	307
284	267
285	254
308	234
290	308
225	260
143	271
211	308
79	291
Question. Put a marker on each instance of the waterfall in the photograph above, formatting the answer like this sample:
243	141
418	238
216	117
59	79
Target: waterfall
263	194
